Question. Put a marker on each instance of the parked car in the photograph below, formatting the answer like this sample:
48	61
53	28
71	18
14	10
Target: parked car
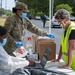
54	23
29	16
37	18
72	18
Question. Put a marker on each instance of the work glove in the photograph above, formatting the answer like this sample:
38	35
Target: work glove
18	44
52	36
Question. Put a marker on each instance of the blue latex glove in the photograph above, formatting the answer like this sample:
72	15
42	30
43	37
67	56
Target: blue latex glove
51	36
18	44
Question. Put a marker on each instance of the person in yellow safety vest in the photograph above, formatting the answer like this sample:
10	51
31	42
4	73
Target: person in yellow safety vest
67	46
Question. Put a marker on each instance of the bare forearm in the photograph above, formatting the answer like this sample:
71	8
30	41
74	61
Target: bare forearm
71	51
70	56
60	53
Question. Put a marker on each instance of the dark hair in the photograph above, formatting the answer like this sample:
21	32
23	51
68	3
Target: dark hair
61	14
3	31
15	10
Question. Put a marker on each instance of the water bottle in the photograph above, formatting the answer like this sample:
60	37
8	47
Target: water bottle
29	45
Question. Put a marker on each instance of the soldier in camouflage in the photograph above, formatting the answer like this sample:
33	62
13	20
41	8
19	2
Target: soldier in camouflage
17	26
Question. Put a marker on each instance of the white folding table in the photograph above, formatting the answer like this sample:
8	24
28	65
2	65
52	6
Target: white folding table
54	67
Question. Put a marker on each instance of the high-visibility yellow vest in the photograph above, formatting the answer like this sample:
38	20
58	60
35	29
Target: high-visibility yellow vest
64	44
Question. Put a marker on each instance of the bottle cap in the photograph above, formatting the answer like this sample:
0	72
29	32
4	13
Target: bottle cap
28	38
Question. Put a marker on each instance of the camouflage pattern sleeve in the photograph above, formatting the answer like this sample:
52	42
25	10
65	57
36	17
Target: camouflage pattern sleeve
9	26
31	27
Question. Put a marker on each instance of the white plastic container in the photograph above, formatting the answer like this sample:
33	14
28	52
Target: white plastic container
20	52
29	45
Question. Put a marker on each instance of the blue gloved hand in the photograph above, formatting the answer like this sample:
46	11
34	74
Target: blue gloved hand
51	36
18	44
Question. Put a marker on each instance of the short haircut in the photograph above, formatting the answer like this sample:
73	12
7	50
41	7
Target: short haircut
61	14
3	31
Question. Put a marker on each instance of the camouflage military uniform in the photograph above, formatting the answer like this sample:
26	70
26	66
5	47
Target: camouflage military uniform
16	29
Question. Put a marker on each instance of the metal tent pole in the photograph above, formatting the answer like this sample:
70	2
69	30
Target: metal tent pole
49	16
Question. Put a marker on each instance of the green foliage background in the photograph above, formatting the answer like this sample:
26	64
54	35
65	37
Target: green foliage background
43	5
64	6
37	6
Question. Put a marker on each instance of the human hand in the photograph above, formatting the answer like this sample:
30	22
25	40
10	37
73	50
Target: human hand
55	60
66	22
31	62
51	35
64	66
18	44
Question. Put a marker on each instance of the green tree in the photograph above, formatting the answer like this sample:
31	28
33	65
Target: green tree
2	11
32	12
69	2
64	6
8	12
38	5
43	5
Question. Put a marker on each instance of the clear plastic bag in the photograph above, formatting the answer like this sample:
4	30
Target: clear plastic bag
20	52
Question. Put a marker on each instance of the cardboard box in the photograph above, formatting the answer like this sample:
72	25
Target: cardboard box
36	38
42	45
